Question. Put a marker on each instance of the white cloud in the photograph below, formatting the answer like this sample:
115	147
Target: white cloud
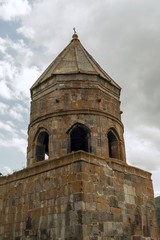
24	80
156	180
27	32
15	114
5	91
3	108
14	9
16	72
14	140
15	111
7	127
19	143
24	132
142	149
8	170
48	29
2	45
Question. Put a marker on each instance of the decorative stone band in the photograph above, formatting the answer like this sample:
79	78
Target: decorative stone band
76	112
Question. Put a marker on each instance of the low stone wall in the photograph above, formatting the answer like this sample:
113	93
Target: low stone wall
79	196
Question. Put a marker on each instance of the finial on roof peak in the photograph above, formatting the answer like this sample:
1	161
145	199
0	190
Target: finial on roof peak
74	29
74	36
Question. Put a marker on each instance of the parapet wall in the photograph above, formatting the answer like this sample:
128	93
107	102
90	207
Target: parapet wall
79	196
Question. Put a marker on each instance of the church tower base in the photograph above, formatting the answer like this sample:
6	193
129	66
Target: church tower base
79	196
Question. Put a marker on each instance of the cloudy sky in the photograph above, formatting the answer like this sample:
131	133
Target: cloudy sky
124	38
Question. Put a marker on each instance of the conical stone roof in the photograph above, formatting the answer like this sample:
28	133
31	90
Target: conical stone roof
72	60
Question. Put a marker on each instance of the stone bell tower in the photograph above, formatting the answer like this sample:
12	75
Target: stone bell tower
85	188
77	184
75	106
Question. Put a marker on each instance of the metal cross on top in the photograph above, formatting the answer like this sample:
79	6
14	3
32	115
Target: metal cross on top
74	29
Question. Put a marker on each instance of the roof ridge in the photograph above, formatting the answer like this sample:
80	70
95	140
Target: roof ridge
96	64
50	66
77	60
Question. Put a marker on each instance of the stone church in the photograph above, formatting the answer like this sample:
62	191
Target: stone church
77	184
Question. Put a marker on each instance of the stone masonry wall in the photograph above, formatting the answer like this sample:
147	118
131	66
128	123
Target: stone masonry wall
59	140
61	101
79	196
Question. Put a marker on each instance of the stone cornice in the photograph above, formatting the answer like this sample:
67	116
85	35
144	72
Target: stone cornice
79	156
72	112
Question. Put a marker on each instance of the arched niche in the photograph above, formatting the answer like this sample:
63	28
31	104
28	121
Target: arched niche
79	138
42	145
114	146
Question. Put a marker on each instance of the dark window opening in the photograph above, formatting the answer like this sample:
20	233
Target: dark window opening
80	138
42	146
113	145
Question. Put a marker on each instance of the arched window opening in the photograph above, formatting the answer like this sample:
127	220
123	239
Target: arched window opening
79	138
42	146
113	145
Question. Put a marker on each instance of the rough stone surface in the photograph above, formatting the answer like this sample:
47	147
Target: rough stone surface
79	196
85	190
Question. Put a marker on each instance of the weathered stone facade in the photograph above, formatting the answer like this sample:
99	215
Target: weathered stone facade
84	190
